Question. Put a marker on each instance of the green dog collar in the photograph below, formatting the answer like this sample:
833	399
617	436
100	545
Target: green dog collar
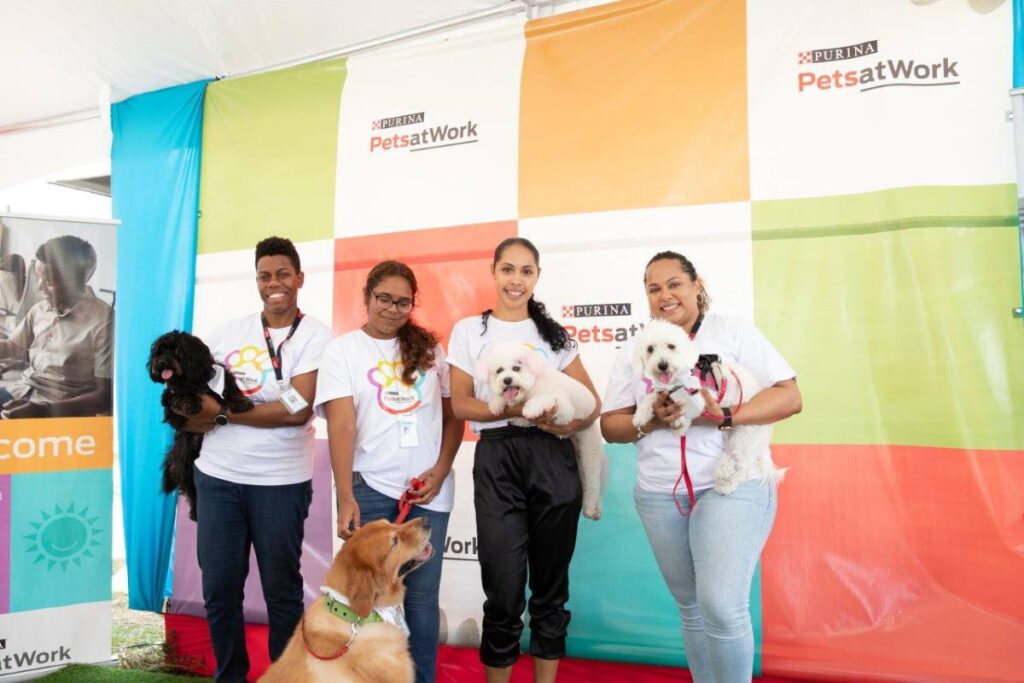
343	611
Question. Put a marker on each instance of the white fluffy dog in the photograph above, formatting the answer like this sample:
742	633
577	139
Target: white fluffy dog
517	375
666	356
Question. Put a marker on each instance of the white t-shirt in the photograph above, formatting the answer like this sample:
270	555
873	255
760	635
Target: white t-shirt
469	343
370	371
658	458
265	456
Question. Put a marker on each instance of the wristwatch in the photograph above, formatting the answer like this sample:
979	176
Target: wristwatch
726	420
222	416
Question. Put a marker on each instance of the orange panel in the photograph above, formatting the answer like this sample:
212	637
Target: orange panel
634	104
56	444
896	558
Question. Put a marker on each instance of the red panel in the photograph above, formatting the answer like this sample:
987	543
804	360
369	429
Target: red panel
452	266
896	554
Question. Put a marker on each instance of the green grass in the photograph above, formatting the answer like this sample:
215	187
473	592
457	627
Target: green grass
81	673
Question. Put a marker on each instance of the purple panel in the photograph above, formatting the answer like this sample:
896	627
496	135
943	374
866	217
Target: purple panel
5	544
317	552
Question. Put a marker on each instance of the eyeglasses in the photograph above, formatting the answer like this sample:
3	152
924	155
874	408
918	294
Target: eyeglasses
385	302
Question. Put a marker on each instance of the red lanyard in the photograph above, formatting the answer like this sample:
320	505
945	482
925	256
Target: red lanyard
275	356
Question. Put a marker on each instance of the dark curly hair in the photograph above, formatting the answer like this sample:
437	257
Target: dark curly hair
703	298
556	336
278	246
415	344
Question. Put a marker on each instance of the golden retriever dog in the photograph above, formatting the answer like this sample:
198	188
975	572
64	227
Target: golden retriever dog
367	577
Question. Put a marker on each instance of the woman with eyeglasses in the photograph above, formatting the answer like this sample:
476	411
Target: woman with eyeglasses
384	391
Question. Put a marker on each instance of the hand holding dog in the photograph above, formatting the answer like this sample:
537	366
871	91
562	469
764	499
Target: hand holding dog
202	422
713	412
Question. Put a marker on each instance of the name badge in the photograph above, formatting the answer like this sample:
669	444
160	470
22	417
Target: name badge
292	399
410	435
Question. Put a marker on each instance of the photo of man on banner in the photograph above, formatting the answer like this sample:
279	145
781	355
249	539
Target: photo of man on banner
57	359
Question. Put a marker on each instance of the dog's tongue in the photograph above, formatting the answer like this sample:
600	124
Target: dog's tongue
665	378
427	553
166	374
511	393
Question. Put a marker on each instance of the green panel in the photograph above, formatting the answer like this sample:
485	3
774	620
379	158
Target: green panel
621	608
895	308
269	157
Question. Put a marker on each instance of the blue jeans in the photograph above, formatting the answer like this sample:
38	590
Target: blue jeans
708	561
231	519
422	608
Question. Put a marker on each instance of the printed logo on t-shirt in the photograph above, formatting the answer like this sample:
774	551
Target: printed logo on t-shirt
251	367
394	395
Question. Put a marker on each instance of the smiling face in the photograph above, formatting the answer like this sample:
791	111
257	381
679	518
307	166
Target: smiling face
672	293
515	276
279	284
388	306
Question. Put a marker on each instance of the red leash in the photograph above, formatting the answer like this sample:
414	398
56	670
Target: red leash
404	505
684	472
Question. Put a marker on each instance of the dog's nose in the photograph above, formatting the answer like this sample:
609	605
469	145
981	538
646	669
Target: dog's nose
663	366
507	381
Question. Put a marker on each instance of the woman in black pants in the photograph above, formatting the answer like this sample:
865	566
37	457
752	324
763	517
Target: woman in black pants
527	490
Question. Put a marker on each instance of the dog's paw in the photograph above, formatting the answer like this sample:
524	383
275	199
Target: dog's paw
496	405
537	406
593	513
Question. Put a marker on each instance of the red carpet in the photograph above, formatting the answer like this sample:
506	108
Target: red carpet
190	640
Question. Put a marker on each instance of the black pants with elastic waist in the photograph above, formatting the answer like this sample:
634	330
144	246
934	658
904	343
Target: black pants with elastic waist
528	497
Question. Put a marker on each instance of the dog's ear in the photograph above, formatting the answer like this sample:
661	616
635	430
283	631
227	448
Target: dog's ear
535	362
639	352
362	589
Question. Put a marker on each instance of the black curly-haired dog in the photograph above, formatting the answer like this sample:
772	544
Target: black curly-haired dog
185	366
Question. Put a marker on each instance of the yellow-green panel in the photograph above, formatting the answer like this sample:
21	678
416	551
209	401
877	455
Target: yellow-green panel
895	307
269	157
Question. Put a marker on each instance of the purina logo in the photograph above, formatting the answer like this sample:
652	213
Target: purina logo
422	139
835	54
885	73
596	310
396	121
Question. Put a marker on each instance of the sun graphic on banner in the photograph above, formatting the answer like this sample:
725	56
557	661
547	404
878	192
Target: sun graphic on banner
63	537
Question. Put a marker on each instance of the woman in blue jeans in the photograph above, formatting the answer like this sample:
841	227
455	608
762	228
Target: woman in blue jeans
384	390
707	554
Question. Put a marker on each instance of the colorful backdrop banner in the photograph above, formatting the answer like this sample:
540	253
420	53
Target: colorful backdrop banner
837	174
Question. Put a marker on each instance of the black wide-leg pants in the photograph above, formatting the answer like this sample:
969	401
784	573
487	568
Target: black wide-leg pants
528	497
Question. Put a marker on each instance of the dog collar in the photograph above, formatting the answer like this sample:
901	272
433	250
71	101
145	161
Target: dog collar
343	611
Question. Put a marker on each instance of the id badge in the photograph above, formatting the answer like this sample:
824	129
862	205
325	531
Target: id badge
410	435
292	399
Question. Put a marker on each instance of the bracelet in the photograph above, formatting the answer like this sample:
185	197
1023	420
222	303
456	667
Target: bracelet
640	433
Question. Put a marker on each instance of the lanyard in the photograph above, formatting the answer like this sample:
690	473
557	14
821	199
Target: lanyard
275	357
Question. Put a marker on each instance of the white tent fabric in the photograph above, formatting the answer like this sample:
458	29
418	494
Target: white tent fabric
62	56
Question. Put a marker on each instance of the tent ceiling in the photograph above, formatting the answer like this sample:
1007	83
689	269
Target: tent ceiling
64	56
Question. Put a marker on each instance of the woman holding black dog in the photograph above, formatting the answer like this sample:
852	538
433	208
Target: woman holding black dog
707	554
385	392
527	491
254	474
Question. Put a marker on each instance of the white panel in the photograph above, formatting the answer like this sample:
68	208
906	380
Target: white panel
844	134
599	258
37	640
429	133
